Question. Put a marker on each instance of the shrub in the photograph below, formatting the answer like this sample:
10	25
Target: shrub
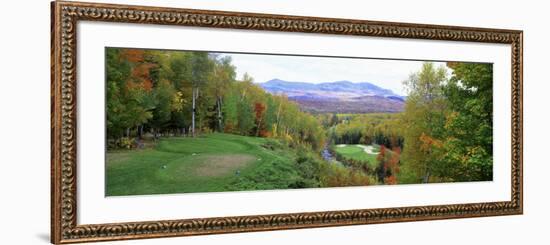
338	176
206	130
273	144
125	143
122	143
308	165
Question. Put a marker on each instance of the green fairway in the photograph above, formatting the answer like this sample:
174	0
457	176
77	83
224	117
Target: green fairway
357	152
208	163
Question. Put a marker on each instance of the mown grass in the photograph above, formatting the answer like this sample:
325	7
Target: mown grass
357	153
181	165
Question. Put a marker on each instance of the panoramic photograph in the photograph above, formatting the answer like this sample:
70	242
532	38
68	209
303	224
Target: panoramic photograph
195	121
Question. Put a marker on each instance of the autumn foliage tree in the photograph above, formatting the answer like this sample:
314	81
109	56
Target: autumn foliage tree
259	110
422	120
468	138
129	91
382	170
392	165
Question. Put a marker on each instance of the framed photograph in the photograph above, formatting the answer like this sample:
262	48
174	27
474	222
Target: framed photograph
175	122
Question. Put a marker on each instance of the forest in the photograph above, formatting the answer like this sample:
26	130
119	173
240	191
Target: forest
181	121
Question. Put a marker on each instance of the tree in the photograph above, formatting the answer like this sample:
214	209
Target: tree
468	139
164	94
117	71
129	85
201	66
381	169
230	109
222	77
245	116
178	111
392	165
334	119
176	68
270	115
423	119
248	94
259	111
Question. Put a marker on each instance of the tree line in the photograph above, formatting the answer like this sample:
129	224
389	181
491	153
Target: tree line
376	128
154	92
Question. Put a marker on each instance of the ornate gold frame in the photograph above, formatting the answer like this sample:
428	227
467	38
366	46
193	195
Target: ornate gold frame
65	15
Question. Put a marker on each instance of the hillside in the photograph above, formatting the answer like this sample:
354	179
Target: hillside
209	163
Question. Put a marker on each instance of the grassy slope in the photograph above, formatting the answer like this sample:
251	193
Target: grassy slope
171	167
358	153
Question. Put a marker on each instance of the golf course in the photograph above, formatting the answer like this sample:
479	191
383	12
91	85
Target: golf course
196	121
360	153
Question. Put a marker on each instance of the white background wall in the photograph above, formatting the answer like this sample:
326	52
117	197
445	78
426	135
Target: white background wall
25	103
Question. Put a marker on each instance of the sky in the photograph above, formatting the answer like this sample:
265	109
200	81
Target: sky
388	74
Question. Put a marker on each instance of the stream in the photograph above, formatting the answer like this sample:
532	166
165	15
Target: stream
325	153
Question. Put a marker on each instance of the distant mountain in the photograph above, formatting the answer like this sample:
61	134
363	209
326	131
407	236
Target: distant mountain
338	96
338	88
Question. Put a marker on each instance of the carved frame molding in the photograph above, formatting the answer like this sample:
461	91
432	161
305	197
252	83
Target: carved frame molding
65	16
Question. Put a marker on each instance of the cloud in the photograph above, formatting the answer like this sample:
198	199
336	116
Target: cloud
388	74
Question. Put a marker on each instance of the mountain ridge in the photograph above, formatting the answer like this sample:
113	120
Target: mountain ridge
341	96
335	86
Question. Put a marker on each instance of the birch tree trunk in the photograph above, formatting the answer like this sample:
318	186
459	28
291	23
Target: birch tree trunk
427	176
259	127
278	120
193	114
219	102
